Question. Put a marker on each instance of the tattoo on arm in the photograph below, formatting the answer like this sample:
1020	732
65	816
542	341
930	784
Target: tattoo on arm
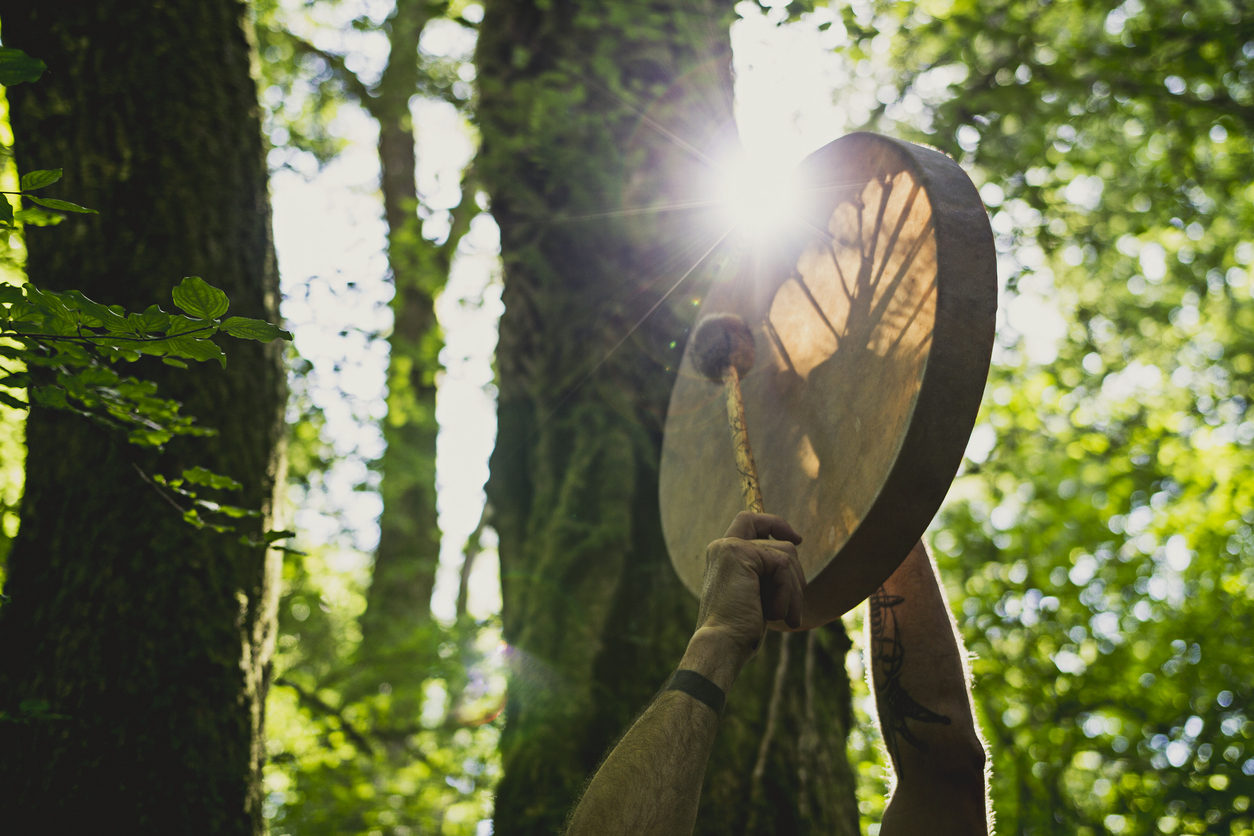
894	703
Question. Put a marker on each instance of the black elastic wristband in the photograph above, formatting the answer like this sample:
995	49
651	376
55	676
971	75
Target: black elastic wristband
698	687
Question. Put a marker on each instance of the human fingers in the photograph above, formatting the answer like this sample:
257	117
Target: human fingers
782	585
751	526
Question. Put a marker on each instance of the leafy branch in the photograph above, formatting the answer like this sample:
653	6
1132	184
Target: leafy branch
31	182
69	344
202	513
65	347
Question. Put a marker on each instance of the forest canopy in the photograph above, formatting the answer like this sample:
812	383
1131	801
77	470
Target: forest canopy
446	172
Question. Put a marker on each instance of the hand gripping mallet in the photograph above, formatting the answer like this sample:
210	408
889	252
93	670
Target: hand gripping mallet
722	350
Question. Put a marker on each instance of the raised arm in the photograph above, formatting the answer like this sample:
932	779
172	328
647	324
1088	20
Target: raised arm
924	706
651	781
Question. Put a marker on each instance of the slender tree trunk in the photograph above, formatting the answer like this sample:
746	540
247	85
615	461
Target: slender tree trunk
408	554
143	644
407	557
594	115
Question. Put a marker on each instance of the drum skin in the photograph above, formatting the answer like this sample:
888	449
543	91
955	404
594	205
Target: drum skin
873	329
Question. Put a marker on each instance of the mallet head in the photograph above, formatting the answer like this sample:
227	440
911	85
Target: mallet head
720	341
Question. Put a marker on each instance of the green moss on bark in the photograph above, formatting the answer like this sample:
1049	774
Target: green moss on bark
148	641
592	113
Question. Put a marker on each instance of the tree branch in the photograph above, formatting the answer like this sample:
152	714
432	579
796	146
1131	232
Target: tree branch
473	549
97	339
460	216
772	717
312	700
335	62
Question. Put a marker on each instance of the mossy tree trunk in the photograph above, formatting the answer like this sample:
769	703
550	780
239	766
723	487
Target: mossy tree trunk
593	115
408	553
143	643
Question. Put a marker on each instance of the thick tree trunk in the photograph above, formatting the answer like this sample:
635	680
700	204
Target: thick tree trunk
591	113
143	643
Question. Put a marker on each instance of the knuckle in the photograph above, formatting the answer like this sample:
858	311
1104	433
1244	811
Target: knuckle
721	550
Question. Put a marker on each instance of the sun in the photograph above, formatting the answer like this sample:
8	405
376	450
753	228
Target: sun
757	197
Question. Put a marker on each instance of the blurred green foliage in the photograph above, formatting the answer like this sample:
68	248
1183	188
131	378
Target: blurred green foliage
12	420
1099	545
336	736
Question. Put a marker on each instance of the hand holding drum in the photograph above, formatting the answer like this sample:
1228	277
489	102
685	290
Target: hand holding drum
722	350
874	328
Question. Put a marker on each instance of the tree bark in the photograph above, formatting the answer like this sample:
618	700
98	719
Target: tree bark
143	643
408	553
598	120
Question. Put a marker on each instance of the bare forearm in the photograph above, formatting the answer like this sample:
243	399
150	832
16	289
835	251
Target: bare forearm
924	704
651	781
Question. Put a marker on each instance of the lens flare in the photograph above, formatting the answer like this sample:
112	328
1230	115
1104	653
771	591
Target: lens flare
758	196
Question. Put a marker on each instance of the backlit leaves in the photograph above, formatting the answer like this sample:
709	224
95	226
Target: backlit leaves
77	340
16	67
253	329
32	180
62	205
1100	546
199	299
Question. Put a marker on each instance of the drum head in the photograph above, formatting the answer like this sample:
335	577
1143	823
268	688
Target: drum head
873	336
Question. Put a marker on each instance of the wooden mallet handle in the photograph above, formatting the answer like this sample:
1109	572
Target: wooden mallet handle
722	350
745	466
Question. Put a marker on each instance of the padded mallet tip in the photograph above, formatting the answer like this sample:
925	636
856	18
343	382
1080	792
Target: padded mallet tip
720	341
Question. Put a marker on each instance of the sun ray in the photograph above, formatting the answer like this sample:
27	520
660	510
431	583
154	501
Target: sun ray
659	208
588	375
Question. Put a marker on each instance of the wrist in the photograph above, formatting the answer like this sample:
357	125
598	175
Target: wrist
714	655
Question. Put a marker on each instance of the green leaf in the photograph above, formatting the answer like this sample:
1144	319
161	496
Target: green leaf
99	376
235	511
39	178
38	217
74	386
6	211
148	437
199	298
16	380
95	313
269	539
9	400
63	205
180	324
23	315
58	316
190	348
150	321
174	361
10	293
201	476
253	329
16	66
50	396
